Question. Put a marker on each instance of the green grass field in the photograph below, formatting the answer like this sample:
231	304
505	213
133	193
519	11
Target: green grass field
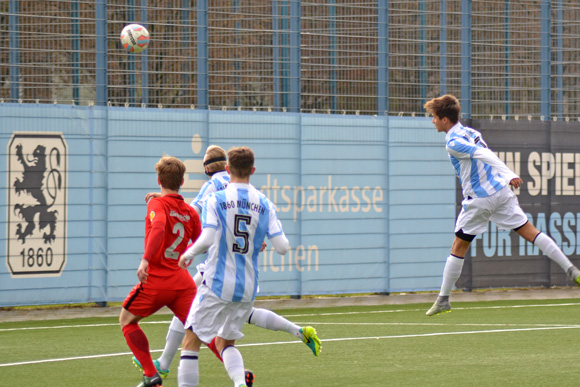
502	343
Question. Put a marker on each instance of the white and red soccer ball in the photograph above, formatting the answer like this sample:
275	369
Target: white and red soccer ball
135	38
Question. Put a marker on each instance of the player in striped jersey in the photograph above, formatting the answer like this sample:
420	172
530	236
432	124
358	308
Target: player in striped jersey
214	162
485	181
235	222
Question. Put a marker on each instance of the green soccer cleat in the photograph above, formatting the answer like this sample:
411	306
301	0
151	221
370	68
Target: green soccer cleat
440	306
574	275
153	381
311	340
161	372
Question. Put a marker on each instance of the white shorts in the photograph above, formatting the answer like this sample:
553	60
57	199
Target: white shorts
210	316
502	208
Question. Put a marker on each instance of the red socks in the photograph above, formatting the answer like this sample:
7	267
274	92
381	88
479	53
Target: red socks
139	345
214	349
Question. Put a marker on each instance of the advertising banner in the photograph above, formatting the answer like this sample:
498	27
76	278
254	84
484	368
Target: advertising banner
546	156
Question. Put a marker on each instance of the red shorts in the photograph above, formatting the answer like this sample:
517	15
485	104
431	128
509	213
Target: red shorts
143	301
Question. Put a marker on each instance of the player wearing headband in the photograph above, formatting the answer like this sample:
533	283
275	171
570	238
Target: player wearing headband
215	167
215	162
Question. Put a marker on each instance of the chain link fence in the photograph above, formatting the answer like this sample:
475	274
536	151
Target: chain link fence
511	59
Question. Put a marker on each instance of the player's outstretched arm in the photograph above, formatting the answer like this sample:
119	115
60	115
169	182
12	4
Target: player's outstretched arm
201	245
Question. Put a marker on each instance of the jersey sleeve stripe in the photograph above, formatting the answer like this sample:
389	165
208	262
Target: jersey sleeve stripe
461	147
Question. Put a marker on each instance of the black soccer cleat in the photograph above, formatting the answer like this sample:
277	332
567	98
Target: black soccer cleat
153	381
250	378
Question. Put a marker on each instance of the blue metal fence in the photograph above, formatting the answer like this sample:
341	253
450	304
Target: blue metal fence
511	58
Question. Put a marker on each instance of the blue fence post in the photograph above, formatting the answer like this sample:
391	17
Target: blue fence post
14	51
443	47
383	58
545	59
202	55
144	59
276	55
132	87
383	108
185	30
560	60
101	53
332	54
237	66
422	52
507	56
75	52
466	96
285	56
295	68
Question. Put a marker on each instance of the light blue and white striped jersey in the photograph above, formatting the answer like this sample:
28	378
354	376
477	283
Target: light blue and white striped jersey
480	172
218	182
242	217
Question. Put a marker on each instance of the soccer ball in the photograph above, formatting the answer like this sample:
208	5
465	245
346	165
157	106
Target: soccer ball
135	38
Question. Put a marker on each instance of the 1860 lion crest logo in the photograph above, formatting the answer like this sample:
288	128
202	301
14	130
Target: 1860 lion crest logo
37	194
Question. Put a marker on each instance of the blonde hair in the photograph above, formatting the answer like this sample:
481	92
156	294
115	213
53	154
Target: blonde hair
213	152
170	171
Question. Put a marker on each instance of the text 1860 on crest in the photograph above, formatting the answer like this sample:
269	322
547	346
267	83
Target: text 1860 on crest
37	204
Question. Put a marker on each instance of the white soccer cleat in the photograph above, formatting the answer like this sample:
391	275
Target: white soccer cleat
440	306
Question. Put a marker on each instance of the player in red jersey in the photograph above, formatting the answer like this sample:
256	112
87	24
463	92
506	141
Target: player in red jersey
169	226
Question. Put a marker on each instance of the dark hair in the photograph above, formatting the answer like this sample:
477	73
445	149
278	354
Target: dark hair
170	171
241	161
445	106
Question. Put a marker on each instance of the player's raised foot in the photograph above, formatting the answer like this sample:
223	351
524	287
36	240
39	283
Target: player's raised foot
574	275
153	381
162	373
440	306
250	378
311	340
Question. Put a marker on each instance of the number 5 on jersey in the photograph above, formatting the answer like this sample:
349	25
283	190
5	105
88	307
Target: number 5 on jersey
239	233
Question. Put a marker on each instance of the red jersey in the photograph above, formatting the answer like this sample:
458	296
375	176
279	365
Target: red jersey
169	226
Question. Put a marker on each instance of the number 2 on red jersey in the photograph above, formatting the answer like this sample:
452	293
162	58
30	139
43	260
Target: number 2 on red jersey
179	231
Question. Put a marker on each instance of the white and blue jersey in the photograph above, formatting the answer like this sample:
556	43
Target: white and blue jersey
242	217
218	182
479	170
